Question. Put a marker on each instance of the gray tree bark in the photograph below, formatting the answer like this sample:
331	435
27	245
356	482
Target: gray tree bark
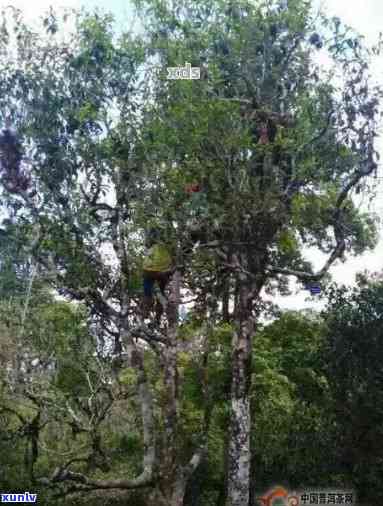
238	493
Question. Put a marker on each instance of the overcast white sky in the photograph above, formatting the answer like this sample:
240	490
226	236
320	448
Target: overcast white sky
365	16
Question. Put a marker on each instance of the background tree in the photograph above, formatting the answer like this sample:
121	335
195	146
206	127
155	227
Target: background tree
354	369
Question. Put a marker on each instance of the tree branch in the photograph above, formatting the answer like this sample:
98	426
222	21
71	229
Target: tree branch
145	479
338	231
318	136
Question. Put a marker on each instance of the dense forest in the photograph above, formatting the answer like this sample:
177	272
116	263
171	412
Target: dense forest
146	225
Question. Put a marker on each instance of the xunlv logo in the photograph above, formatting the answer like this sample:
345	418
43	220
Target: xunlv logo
26	497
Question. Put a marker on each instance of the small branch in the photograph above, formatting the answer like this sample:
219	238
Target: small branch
93	204
303	275
76	418
146	334
93	297
144	480
236	99
353	182
318	136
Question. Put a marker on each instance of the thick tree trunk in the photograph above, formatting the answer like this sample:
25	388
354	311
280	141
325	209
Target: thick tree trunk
174	475
178	493
240	423
169	471
239	448
173	495
222	497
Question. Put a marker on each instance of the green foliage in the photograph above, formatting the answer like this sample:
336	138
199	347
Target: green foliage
111	144
353	357
71	378
288	390
128	377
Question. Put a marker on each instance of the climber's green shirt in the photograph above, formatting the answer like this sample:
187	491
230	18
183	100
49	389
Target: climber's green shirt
158	259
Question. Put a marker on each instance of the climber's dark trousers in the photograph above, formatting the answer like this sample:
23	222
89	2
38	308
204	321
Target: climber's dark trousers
149	278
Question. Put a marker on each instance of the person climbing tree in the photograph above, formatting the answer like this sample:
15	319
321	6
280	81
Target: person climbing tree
157	267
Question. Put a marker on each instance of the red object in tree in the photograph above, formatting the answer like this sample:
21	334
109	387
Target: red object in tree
192	188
